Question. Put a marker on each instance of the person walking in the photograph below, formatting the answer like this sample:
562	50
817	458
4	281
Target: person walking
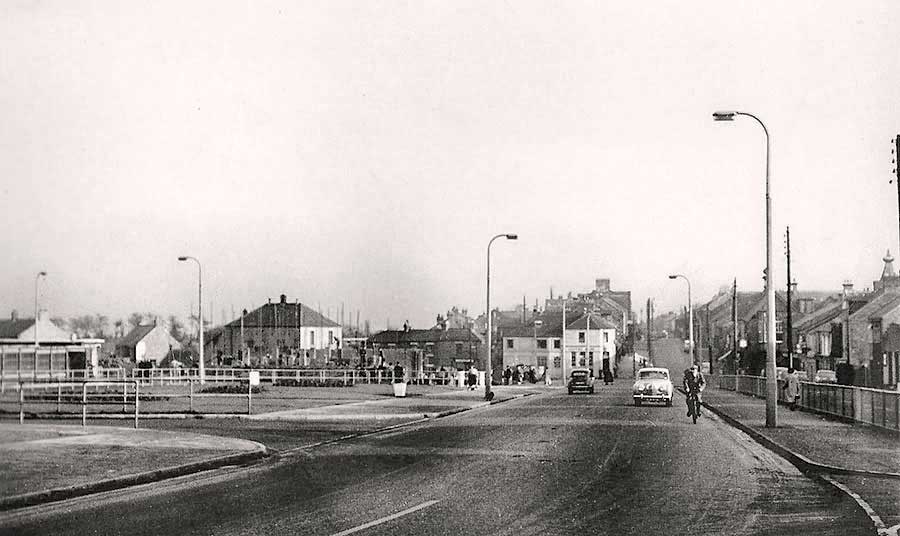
507	375
473	377
792	388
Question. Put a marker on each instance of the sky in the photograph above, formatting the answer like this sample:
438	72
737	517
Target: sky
362	154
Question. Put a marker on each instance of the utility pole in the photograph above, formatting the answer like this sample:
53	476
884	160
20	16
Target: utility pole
788	335
650	330
896	152
734	327
709	344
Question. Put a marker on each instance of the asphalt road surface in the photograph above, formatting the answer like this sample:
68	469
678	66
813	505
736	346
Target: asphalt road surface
544	464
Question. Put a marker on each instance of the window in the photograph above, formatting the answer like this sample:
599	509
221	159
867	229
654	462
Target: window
330	337
825	344
509	344
591	359
312	339
556	344
542	344
605	336
580	336
557	361
574	358
459	348
542	361
581	359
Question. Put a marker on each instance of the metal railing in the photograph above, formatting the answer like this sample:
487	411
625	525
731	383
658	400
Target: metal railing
295	377
15	377
877	407
116	399
75	394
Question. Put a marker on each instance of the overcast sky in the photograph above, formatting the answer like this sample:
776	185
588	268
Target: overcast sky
365	152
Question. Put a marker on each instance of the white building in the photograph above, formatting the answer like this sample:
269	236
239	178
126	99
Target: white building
589	340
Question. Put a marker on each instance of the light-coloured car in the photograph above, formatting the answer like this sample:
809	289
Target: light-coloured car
825	376
653	384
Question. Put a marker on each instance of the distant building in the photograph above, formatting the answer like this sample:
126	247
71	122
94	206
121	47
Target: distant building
149	343
590	339
425	350
279	334
58	350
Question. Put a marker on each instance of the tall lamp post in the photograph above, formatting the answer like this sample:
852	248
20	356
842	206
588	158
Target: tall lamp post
488	372
200	311
771	380
690	315
36	319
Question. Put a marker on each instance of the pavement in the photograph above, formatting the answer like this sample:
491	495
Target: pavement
46	462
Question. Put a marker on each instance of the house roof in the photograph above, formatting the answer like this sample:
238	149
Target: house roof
11	329
136	335
596	322
877	307
827	311
422	336
283	314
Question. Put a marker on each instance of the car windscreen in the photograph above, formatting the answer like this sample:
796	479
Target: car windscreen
579	375
654	375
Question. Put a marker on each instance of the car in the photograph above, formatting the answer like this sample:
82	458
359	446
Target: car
580	380
653	384
825	376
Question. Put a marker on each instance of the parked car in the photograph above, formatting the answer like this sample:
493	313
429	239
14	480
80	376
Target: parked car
653	384
825	376
580	380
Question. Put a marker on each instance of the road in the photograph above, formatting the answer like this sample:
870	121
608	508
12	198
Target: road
544	464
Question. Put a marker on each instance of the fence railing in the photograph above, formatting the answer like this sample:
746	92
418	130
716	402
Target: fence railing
877	407
120	398
298	377
15	377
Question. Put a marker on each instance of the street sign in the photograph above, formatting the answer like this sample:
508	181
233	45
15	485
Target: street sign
254	378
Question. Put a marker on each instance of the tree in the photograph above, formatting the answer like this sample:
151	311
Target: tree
176	329
119	329
102	322
135	319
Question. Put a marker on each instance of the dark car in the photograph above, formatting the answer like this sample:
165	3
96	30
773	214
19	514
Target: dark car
581	380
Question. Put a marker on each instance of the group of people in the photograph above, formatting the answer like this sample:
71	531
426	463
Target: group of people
519	374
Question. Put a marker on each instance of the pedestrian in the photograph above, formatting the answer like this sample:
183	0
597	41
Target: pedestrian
398	373
520	370
507	375
792	388
473	377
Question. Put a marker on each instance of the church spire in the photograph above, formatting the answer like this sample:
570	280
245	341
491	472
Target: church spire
888	266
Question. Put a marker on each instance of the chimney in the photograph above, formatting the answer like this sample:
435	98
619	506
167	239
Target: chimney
283	298
14	315
848	287
602	285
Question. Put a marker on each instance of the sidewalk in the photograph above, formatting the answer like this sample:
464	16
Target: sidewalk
861	461
827	445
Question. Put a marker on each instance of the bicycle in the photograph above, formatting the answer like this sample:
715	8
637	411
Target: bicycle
694	405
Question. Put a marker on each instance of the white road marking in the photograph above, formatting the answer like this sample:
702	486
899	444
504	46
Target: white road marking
385	519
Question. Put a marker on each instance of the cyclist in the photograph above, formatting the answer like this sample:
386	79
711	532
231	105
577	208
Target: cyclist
693	383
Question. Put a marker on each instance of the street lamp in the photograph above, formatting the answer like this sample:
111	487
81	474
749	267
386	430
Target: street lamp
771	380
690	315
36	319
200	311
488	372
